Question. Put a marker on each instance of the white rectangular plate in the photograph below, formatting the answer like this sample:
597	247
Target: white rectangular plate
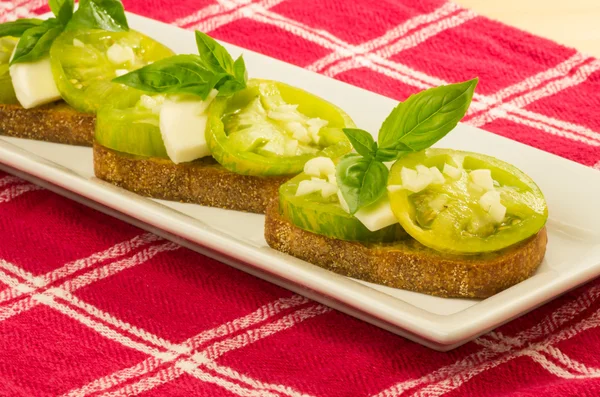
235	238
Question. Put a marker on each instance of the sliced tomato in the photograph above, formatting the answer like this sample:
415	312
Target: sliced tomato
271	128
326	217
453	216
7	92
83	69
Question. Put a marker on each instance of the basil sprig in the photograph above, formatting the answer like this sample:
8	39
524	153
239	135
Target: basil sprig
414	125
213	68
37	36
99	14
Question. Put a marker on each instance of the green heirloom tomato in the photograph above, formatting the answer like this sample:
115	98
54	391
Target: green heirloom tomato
461	211
7	92
85	61
271	128
134	130
326	217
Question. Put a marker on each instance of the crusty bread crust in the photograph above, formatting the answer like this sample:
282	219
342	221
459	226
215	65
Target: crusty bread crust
408	264
55	122
203	181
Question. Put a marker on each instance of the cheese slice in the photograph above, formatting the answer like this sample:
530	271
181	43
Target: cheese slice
34	83
182	126
377	215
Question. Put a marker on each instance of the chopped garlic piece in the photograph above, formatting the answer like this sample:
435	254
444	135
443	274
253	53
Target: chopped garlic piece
437	175
314	185
320	167
421	169
299	132
332	179
489	198
308	187
78	43
118	54
451	171
482	178
153	103
497	212
328	190
121	72
415	181
408	174
291	147
314	127
284	115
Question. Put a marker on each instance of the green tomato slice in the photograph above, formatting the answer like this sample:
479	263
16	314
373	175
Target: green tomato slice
7	92
83	66
452	217
326	217
133	130
271	128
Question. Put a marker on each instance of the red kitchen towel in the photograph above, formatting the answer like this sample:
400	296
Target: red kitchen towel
90	306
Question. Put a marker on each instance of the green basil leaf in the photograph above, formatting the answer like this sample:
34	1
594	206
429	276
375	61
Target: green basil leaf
231	84
361	141
362	181
426	117
179	74
35	43
220	62
18	27
214	54
239	70
65	12
99	14
63	9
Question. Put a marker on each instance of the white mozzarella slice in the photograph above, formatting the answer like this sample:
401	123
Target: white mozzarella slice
34	83
377	215
182	126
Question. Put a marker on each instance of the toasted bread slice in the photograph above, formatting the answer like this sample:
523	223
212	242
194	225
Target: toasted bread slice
203	181
55	122
408	264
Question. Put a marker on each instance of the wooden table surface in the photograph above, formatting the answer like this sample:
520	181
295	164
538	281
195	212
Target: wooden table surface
575	23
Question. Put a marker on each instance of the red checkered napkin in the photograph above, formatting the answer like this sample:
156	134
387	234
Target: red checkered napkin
90	306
